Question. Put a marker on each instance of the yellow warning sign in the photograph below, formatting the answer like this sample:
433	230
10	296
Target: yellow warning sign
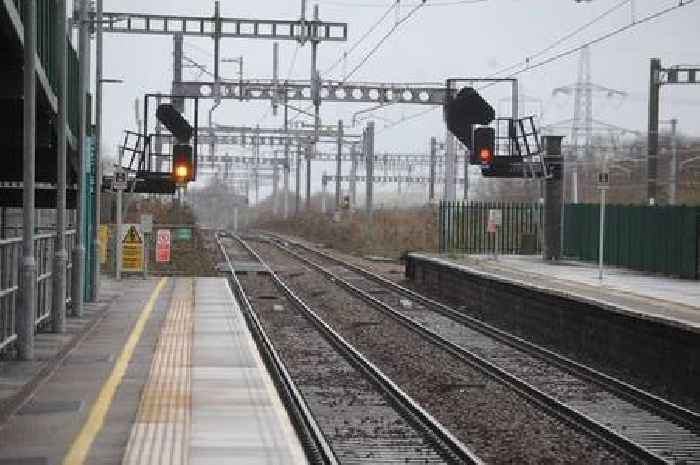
132	248
103	238
132	236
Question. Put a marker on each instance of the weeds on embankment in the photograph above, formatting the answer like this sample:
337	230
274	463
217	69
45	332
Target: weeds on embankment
393	231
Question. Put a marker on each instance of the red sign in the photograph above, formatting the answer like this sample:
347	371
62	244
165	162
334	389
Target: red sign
163	246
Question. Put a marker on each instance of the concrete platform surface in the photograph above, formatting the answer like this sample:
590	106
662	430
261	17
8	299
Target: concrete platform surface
666	299
169	375
42	431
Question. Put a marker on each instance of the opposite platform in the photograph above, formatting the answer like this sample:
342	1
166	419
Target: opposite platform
668	300
636	326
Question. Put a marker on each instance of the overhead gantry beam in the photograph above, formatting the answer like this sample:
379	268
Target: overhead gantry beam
387	179
416	159
235	28
330	91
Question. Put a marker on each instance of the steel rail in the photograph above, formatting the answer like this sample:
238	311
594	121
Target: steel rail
452	447
554	407
669	410
314	442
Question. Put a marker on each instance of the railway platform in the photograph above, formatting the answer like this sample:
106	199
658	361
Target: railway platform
671	301
162	371
636	326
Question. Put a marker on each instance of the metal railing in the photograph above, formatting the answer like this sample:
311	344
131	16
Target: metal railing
10	282
463	228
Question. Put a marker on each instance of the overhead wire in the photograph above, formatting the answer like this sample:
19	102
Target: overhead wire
619	30
599	39
352	48
362	38
383	40
376	47
564	38
290	70
374	5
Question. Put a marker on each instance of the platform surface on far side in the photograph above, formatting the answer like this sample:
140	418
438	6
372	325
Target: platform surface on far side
660	298
236	412
209	398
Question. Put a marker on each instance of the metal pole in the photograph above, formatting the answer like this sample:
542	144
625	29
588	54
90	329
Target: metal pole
315	84
674	163
297	204
145	255
95	265
58	318
369	143
338	165
178	103
353	174
275	75
450	193
27	313
324	185
118	236
235	218
433	154
217	45
653	133
308	176
601	244
285	201
78	270
275	188
516	113
256	150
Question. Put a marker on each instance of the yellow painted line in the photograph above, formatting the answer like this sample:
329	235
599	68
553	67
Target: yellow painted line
81	445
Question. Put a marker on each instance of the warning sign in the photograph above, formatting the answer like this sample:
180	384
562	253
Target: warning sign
103	239
495	220
163	246
132	248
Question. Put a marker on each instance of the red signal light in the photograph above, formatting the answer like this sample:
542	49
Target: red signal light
485	155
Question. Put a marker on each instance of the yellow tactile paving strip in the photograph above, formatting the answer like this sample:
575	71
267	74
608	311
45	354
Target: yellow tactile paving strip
161	432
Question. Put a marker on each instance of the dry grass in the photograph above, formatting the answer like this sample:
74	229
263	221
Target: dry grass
394	231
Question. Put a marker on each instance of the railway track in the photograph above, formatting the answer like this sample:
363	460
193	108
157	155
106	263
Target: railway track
347	411
646	426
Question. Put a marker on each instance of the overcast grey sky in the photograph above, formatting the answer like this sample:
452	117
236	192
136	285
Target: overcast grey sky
437	42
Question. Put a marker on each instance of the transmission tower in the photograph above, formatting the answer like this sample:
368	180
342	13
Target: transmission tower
581	141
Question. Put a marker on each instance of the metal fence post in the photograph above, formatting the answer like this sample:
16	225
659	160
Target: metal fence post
27	311
78	270
58	319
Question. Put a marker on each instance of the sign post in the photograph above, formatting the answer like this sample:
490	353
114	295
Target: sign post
163	246
495	221
119	185
147	228
603	184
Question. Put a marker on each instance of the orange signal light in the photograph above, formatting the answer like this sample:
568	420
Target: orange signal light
181	171
485	155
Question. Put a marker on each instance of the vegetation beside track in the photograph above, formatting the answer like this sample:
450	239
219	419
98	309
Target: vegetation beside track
394	231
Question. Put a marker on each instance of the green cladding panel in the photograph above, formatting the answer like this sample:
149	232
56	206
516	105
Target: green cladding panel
656	239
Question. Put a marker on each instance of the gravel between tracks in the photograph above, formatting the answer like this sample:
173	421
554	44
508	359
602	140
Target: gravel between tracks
359	423
394	271
498	424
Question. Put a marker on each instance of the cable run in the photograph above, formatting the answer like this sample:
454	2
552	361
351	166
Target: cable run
604	37
364	36
383	39
372	5
562	39
407	118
